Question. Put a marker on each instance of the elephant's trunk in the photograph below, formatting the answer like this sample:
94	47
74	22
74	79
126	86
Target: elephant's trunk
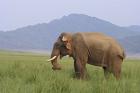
54	55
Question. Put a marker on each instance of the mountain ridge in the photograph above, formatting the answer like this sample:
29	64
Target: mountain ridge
42	36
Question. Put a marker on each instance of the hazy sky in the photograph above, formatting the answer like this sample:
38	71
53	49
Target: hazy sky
19	13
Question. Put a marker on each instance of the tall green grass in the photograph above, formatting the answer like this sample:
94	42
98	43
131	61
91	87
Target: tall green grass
31	73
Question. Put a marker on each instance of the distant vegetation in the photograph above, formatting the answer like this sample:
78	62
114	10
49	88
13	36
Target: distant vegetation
42	36
22	72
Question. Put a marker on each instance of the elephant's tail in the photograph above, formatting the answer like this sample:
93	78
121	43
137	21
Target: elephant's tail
124	55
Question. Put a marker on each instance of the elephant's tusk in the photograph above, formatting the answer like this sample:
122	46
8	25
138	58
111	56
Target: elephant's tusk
52	58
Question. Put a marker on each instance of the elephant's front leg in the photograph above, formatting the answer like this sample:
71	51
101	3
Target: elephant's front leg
80	69
77	70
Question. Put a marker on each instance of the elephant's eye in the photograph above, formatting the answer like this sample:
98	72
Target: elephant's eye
63	46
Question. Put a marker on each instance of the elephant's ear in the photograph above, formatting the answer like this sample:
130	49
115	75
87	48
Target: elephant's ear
67	42
64	39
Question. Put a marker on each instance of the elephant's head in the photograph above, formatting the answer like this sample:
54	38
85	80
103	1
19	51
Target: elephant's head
62	47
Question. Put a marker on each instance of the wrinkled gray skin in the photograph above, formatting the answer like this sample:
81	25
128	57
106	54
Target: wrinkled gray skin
92	48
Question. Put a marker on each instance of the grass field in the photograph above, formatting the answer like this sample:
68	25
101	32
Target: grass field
30	73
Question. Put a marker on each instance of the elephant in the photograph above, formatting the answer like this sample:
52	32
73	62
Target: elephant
92	48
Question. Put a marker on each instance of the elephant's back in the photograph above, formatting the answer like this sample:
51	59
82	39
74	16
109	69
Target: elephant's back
97	39
95	36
